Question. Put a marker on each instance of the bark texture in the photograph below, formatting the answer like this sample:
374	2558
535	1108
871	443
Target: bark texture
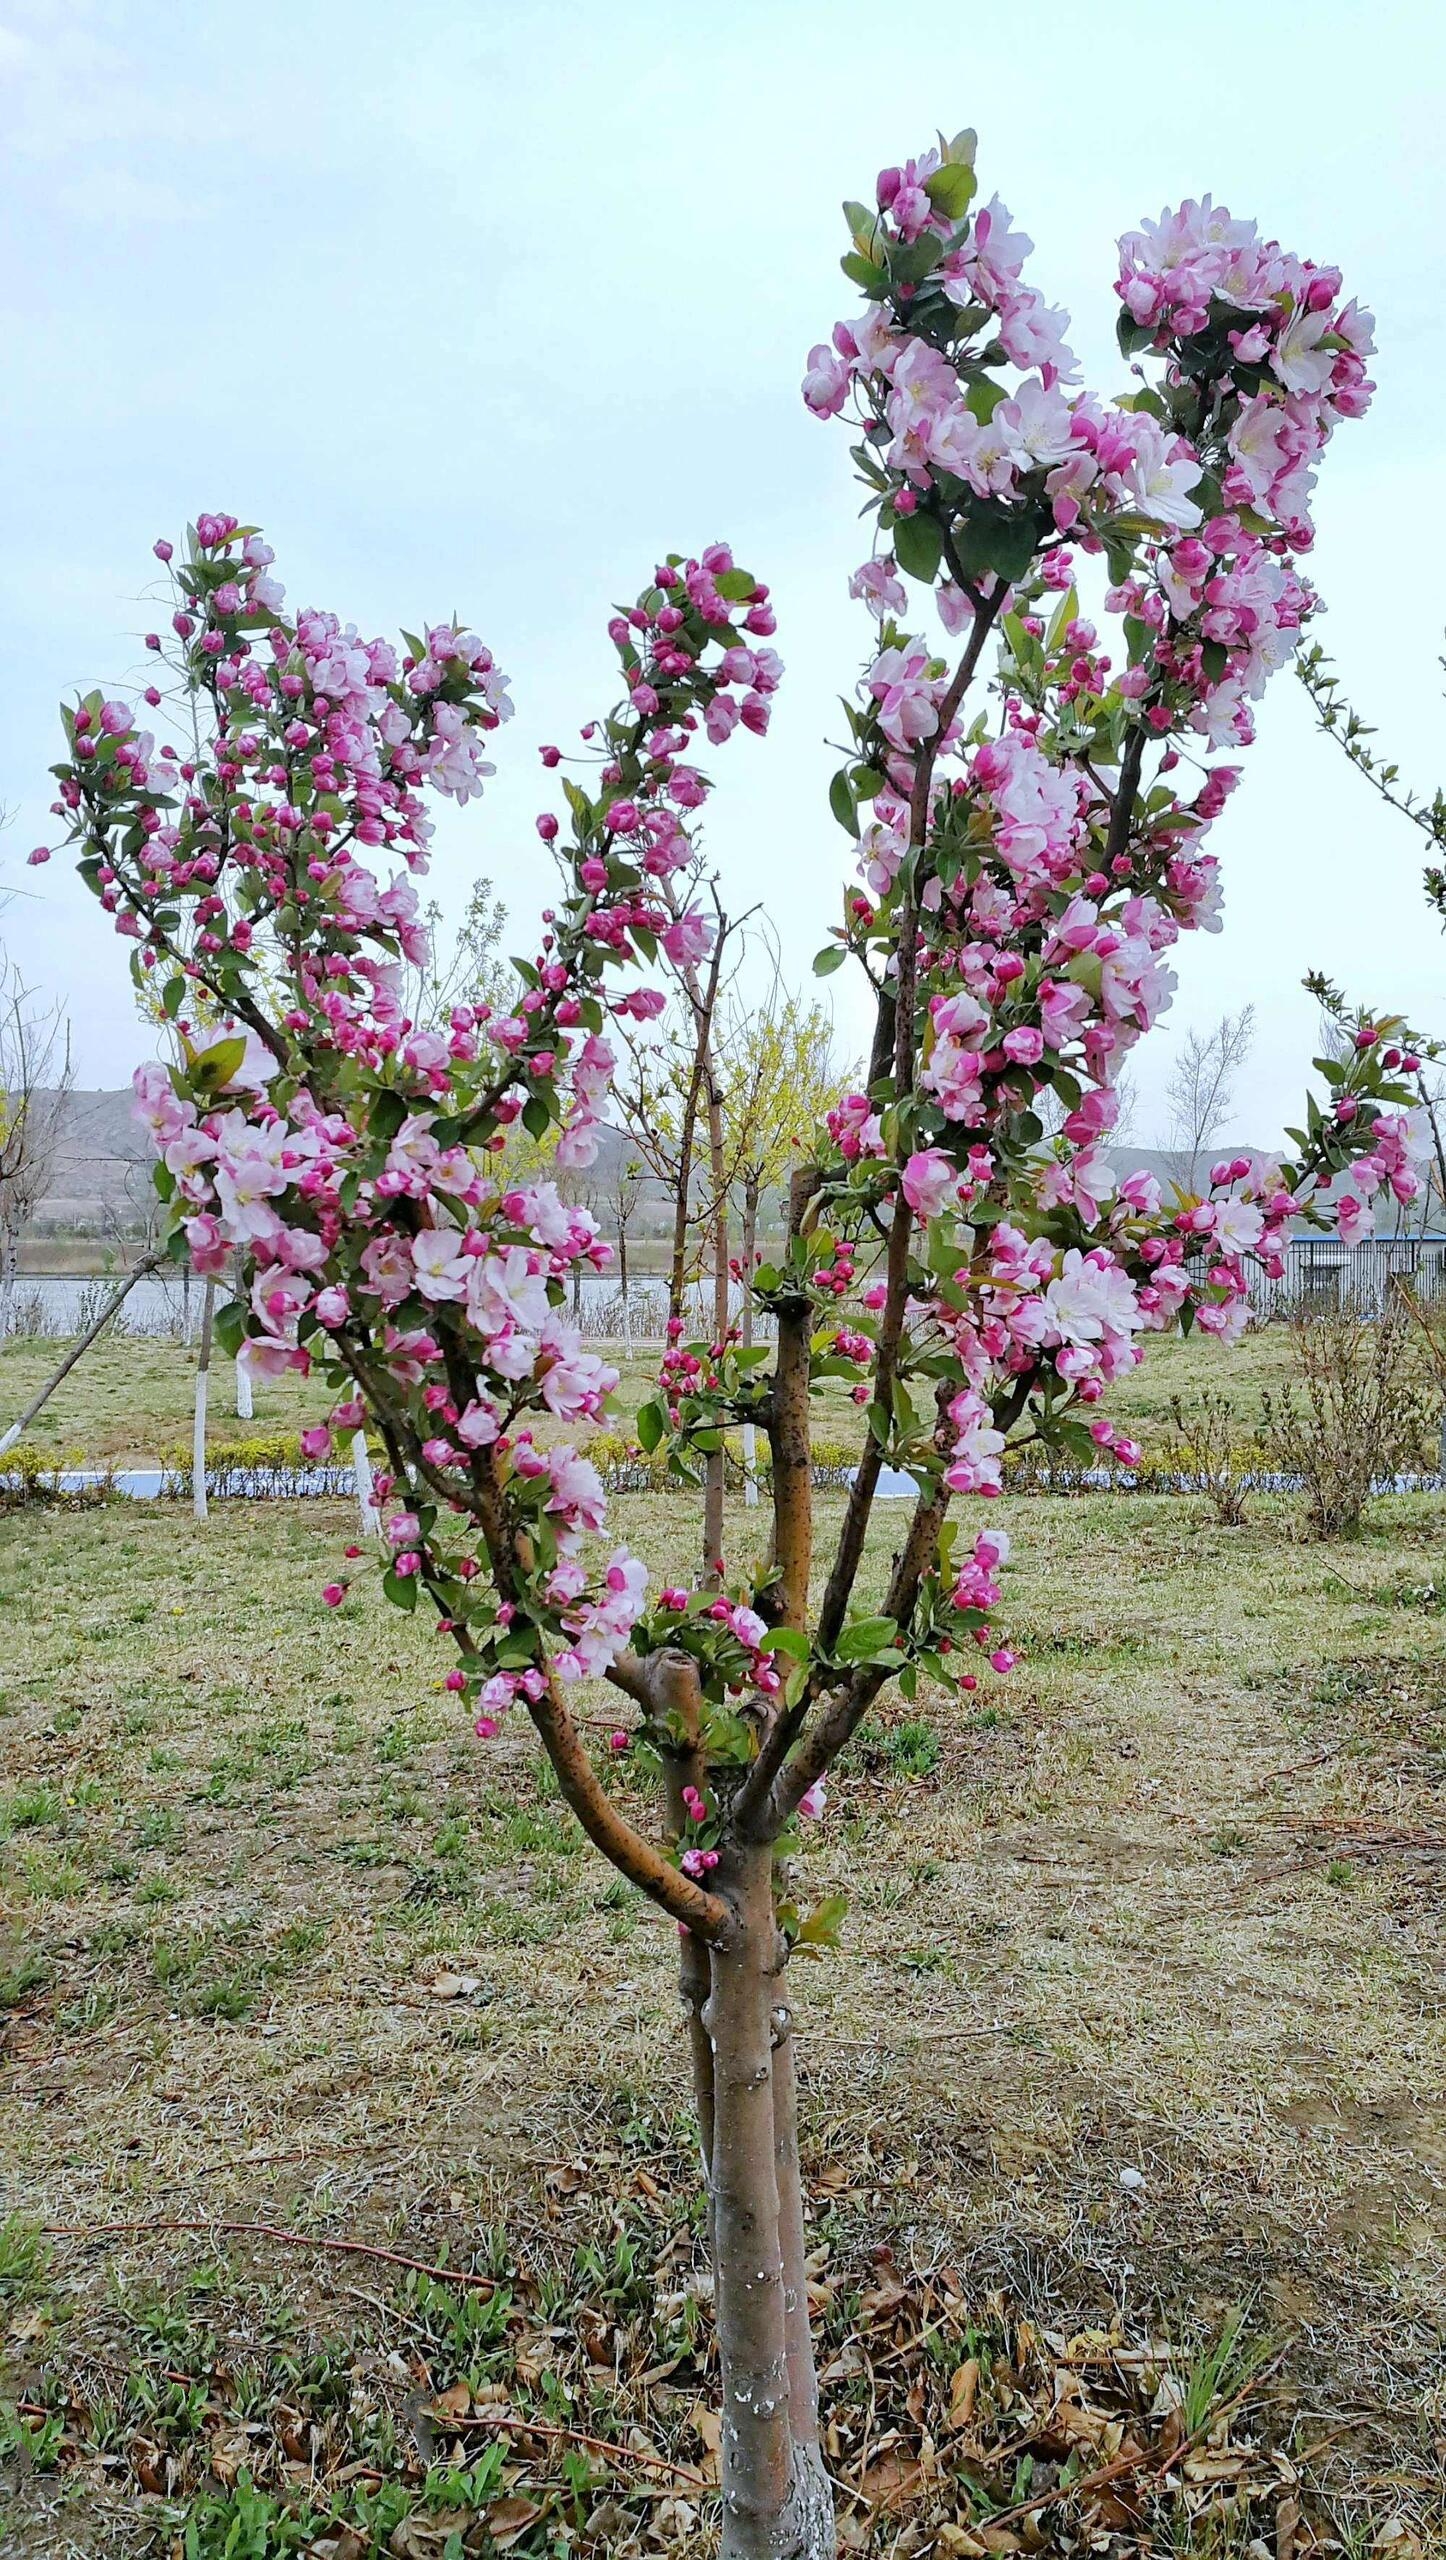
777	2504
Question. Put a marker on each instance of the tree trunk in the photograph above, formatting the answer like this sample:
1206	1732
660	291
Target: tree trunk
675	1713
366	1496
777	2504
683	1190
203	1381
244	1398
9	1265
623	1286
715	1479
750	1247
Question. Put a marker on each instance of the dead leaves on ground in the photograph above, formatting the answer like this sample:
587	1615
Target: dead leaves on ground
587	2381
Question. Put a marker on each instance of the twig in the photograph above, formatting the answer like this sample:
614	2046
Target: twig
569	2435
918	2034
1136	2461
272	2231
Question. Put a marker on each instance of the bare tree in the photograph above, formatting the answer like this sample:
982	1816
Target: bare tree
780	1076
674	1097
35	1080
1201	1091
1051	1111
628	1180
469	969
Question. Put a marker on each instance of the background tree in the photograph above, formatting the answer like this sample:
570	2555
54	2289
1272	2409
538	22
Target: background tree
673	1107
1027	858
466	968
35	1082
1200	1096
780	1079
625	1196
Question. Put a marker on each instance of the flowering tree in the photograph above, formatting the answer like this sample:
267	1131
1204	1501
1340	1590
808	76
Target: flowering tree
1027	861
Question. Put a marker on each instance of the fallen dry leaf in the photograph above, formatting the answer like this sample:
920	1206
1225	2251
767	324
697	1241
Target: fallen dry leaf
963	2392
509	2520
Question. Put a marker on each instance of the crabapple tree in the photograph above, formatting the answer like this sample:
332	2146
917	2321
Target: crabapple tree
1032	803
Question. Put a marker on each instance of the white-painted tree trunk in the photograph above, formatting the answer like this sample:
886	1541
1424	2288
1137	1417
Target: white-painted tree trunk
243	1392
750	1466
203	1381
9	1266
366	1500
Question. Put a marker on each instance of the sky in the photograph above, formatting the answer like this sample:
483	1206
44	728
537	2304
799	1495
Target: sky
483	305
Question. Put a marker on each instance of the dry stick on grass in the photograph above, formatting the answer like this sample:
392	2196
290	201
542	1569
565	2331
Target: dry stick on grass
501	2425
270	2231
78	1348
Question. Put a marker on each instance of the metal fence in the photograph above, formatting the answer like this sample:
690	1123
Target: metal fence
1322	1272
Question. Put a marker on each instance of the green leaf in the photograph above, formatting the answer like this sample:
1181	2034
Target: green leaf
863	227
983	397
1065	612
911	260
400	1588
865	1639
841	802
863	271
172	997
230	1328
651	1424
824	1922
919	546
951	189
536	1118
214	1067
388	1111
830	958
790	1640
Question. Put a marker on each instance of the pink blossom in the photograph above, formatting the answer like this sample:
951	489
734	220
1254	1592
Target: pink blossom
930	1182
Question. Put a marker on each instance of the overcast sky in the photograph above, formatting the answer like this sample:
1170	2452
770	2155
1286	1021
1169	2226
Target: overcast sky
484	304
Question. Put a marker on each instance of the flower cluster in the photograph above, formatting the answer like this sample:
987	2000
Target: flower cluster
1023	881
350	1159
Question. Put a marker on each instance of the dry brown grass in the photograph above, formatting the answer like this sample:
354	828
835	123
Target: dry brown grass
1170	1901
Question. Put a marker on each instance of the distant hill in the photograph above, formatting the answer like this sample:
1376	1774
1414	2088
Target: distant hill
102	1168
102	1162
102	1171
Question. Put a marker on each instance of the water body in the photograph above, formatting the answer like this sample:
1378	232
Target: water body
58	1306
290	1484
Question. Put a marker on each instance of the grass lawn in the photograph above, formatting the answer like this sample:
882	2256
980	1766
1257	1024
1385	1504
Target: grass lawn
288	1947
128	1400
